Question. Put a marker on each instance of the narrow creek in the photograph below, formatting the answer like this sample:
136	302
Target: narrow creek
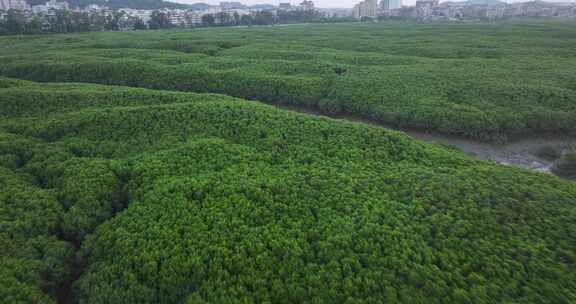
520	152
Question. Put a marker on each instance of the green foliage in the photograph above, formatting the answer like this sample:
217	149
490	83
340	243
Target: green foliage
181	197
15	22
33	262
159	20
484	81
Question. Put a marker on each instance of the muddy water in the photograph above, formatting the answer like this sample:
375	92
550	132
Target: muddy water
520	152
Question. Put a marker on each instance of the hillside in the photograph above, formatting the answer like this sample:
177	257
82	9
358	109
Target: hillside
120	195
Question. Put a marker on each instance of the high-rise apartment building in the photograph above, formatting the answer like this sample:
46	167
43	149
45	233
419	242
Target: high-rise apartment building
366	8
390	4
14	4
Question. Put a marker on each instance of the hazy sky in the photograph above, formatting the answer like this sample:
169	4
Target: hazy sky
319	3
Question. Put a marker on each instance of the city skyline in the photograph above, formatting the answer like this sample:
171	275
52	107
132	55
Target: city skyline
325	3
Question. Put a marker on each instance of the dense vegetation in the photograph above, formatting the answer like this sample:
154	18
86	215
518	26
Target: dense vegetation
16	22
125	195
477	80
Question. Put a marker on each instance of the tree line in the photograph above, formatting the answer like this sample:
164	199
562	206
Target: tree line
63	21
16	22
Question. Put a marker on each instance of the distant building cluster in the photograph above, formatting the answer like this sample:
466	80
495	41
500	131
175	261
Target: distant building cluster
471	9
6	5
17	16
50	5
53	12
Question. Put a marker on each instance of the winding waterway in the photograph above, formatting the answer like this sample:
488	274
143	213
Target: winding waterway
520	152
